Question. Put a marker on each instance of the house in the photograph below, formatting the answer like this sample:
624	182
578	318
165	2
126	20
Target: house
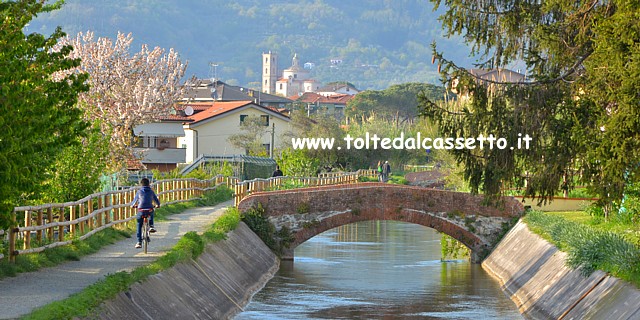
156	145
207	132
201	127
486	77
338	88
207	91
332	104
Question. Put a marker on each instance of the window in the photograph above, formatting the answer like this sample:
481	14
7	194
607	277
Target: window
266	83
266	60
242	117
265	120
281	86
267	147
266	70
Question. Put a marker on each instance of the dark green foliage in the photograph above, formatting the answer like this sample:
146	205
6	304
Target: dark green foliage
257	221
303	208
452	249
580	102
310	224
396	101
38	116
589	249
77	169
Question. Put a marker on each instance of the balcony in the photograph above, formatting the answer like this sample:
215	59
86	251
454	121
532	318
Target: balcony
161	155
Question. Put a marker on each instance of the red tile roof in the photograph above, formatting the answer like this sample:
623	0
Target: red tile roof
218	108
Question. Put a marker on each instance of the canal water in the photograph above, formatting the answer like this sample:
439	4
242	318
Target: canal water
378	270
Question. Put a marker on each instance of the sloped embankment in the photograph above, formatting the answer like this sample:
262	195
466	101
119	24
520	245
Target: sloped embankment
532	272
215	286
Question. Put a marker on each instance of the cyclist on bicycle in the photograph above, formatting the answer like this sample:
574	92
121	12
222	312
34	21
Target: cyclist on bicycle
144	200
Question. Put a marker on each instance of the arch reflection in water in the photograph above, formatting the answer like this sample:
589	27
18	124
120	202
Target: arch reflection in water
375	270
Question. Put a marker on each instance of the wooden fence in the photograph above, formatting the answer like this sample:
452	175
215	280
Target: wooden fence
57	224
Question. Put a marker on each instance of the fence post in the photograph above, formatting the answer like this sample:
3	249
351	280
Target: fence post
89	211
39	222
72	216
109	204
80	215
99	215
118	211
61	228
50	220
27	234
12	238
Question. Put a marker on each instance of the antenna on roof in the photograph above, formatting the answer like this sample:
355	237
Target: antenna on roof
213	72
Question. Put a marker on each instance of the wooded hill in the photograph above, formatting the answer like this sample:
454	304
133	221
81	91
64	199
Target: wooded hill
379	43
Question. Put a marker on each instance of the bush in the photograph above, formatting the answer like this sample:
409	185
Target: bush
588	248
276	240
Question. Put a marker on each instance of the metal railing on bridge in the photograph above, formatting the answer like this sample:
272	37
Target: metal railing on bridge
41	227
244	188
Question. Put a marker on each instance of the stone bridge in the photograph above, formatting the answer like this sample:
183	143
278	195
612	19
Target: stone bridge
308	212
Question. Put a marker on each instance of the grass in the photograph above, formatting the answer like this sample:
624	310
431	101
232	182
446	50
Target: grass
77	249
393	179
590	243
631	232
190	246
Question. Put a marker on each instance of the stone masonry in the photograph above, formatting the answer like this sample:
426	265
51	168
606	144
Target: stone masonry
308	212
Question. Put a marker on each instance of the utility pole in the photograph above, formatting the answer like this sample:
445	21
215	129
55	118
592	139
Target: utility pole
273	134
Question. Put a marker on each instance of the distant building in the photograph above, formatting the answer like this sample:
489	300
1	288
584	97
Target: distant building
338	88
486	77
270	72
207	91
317	103
295	80
207	132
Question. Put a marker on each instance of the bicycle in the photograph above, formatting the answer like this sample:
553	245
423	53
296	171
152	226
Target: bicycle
146	234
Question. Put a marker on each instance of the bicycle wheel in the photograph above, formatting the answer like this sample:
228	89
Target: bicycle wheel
145	234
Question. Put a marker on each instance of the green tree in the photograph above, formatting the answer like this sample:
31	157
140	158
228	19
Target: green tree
399	100
580	100
37	110
250	139
77	168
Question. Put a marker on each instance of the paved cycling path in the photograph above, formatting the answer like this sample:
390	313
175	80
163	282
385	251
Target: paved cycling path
21	294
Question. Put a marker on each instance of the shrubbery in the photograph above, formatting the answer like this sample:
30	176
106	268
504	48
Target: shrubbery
588	248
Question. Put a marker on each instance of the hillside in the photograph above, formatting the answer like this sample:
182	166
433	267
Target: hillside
380	43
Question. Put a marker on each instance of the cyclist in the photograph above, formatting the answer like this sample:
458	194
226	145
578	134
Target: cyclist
144	200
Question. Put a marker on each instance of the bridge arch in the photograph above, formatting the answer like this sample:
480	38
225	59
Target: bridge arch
308	212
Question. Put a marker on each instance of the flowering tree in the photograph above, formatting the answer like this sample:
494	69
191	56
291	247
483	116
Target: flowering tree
126	90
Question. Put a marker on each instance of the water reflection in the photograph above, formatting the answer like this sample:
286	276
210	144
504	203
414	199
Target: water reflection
378	270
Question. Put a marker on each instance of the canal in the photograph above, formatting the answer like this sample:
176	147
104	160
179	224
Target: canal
378	270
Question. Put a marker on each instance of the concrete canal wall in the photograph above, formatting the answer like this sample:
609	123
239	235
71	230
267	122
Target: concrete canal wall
215	286
533	274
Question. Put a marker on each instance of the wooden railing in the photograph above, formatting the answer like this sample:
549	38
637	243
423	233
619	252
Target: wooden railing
57	224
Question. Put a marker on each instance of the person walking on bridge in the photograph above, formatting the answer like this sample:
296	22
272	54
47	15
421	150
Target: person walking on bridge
277	173
386	171
144	201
